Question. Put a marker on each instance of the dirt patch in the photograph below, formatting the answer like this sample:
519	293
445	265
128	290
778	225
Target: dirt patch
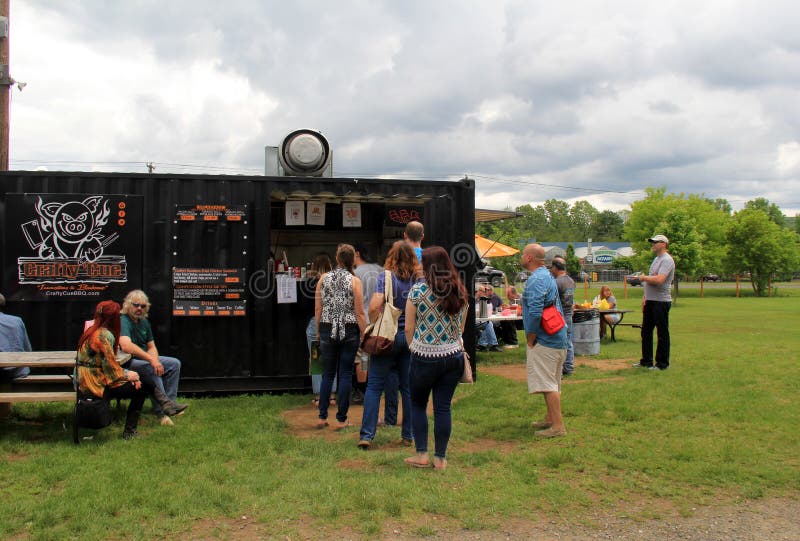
15	457
516	372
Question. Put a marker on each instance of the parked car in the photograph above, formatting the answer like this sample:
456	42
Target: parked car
633	279
581	277
711	277
489	274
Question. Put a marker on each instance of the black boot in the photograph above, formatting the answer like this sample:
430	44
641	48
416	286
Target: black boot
131	422
169	407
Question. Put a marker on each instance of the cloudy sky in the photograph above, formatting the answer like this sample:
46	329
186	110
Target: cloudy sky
580	100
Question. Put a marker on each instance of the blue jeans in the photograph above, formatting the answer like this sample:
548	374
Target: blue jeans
311	335
569	362
441	376
168	382
11	373
380	366
338	357
391	387
488	336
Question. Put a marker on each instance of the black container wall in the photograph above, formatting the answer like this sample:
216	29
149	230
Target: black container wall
260	351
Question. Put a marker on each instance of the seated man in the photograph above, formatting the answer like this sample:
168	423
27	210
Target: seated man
13	337
488	339
136	338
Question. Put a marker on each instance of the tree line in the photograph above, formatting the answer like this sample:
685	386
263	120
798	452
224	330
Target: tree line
706	236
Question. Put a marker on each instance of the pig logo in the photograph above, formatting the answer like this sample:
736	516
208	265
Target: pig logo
73	229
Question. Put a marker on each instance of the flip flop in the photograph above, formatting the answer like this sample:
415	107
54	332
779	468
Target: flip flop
322	423
412	461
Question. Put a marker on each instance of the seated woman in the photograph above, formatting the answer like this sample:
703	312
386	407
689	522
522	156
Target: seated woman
100	375
608	296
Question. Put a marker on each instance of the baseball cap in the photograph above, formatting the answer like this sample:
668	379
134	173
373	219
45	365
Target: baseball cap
658	238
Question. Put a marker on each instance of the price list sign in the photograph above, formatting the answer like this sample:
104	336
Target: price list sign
211	213
208	292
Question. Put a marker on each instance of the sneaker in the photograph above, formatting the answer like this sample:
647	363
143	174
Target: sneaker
481	348
129	433
551	433
496	348
566	374
165	421
657	368
640	365
357	397
541	424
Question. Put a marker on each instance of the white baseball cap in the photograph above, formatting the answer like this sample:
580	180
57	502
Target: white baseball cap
658	238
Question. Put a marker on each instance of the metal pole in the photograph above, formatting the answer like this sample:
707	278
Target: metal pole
5	87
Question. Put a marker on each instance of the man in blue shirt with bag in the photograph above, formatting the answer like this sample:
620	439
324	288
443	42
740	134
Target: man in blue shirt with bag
545	353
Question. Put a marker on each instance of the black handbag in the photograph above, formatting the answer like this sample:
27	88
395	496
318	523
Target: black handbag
93	412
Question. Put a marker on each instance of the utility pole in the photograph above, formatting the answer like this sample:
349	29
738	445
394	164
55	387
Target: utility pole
5	82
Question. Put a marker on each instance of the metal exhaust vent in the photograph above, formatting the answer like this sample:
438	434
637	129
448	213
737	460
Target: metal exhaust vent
305	153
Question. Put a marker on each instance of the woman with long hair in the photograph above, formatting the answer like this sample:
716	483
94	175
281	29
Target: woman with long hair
100	375
339	313
607	295
401	262
435	316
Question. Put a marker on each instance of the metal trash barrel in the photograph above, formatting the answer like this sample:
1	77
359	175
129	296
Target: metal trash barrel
586	332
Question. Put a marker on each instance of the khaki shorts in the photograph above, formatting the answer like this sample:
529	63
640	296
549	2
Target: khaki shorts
543	368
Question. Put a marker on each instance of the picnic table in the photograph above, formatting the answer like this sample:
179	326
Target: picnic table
613	326
40	387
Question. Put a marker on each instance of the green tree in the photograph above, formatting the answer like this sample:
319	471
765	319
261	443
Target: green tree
771	209
582	217
761	247
608	226
573	263
685	242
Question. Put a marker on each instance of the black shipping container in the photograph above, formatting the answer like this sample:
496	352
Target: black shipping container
201	247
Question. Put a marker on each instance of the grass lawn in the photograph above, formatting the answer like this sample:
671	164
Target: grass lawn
720	425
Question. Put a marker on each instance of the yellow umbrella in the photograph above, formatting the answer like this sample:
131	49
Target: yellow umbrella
491	248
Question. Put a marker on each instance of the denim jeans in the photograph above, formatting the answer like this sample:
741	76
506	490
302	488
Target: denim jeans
569	362
380	366
488	336
338	357
168	382
655	316
391	387
439	375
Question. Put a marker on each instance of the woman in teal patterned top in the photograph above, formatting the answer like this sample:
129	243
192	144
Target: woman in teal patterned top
435	316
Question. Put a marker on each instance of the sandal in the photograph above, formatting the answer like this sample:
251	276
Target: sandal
415	463
341	425
322	423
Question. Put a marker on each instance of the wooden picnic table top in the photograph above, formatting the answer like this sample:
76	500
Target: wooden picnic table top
45	359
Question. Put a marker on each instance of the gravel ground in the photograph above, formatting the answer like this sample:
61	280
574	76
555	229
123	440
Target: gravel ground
769	519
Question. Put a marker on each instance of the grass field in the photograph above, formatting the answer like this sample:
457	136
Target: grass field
719	426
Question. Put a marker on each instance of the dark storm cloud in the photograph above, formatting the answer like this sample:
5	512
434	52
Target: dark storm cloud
698	97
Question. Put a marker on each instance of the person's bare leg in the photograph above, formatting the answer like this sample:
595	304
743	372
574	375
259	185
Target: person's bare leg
553	401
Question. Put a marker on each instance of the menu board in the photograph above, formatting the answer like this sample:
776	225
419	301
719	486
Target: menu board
208	292
211	213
